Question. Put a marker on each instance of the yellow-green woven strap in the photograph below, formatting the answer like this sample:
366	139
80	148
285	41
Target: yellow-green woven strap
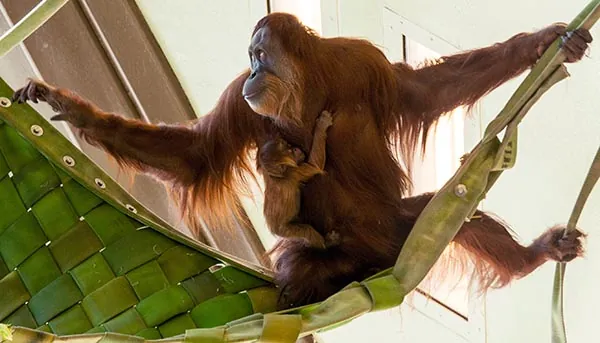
281	328
214	335
559	334
5	333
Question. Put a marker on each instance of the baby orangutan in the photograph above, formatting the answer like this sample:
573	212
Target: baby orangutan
285	171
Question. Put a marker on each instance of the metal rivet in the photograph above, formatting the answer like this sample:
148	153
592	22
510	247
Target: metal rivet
5	102
37	130
131	208
100	183
69	160
460	190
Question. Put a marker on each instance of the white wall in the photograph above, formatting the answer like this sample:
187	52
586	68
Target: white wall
206	42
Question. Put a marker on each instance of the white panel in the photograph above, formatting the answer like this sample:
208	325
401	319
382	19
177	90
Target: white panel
309	11
330	26
361	19
470	23
206	42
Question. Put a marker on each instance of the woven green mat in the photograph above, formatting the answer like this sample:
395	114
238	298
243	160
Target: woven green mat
78	254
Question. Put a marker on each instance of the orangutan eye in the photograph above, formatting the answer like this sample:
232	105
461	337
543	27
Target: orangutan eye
262	56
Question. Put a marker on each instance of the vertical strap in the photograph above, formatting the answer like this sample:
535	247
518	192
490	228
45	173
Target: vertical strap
559	334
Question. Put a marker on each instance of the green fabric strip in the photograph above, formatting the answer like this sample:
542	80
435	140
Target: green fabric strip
280	328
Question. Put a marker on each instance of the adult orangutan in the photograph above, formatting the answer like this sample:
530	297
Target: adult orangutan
294	76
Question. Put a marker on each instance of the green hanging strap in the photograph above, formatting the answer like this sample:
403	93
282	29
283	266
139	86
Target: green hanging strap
558	322
29	23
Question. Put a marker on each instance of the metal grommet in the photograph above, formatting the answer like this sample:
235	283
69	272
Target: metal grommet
131	208
69	161
460	190
100	183
5	102
36	130
216	267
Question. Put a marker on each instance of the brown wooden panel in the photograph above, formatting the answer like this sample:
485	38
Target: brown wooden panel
121	26
67	53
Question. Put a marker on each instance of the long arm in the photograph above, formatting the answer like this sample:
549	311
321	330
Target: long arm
498	258
464	78
201	163
176	153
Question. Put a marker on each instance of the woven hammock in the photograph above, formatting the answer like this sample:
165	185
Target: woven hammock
79	255
81	260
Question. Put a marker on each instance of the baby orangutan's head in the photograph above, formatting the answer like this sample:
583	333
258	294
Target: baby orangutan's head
276	156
